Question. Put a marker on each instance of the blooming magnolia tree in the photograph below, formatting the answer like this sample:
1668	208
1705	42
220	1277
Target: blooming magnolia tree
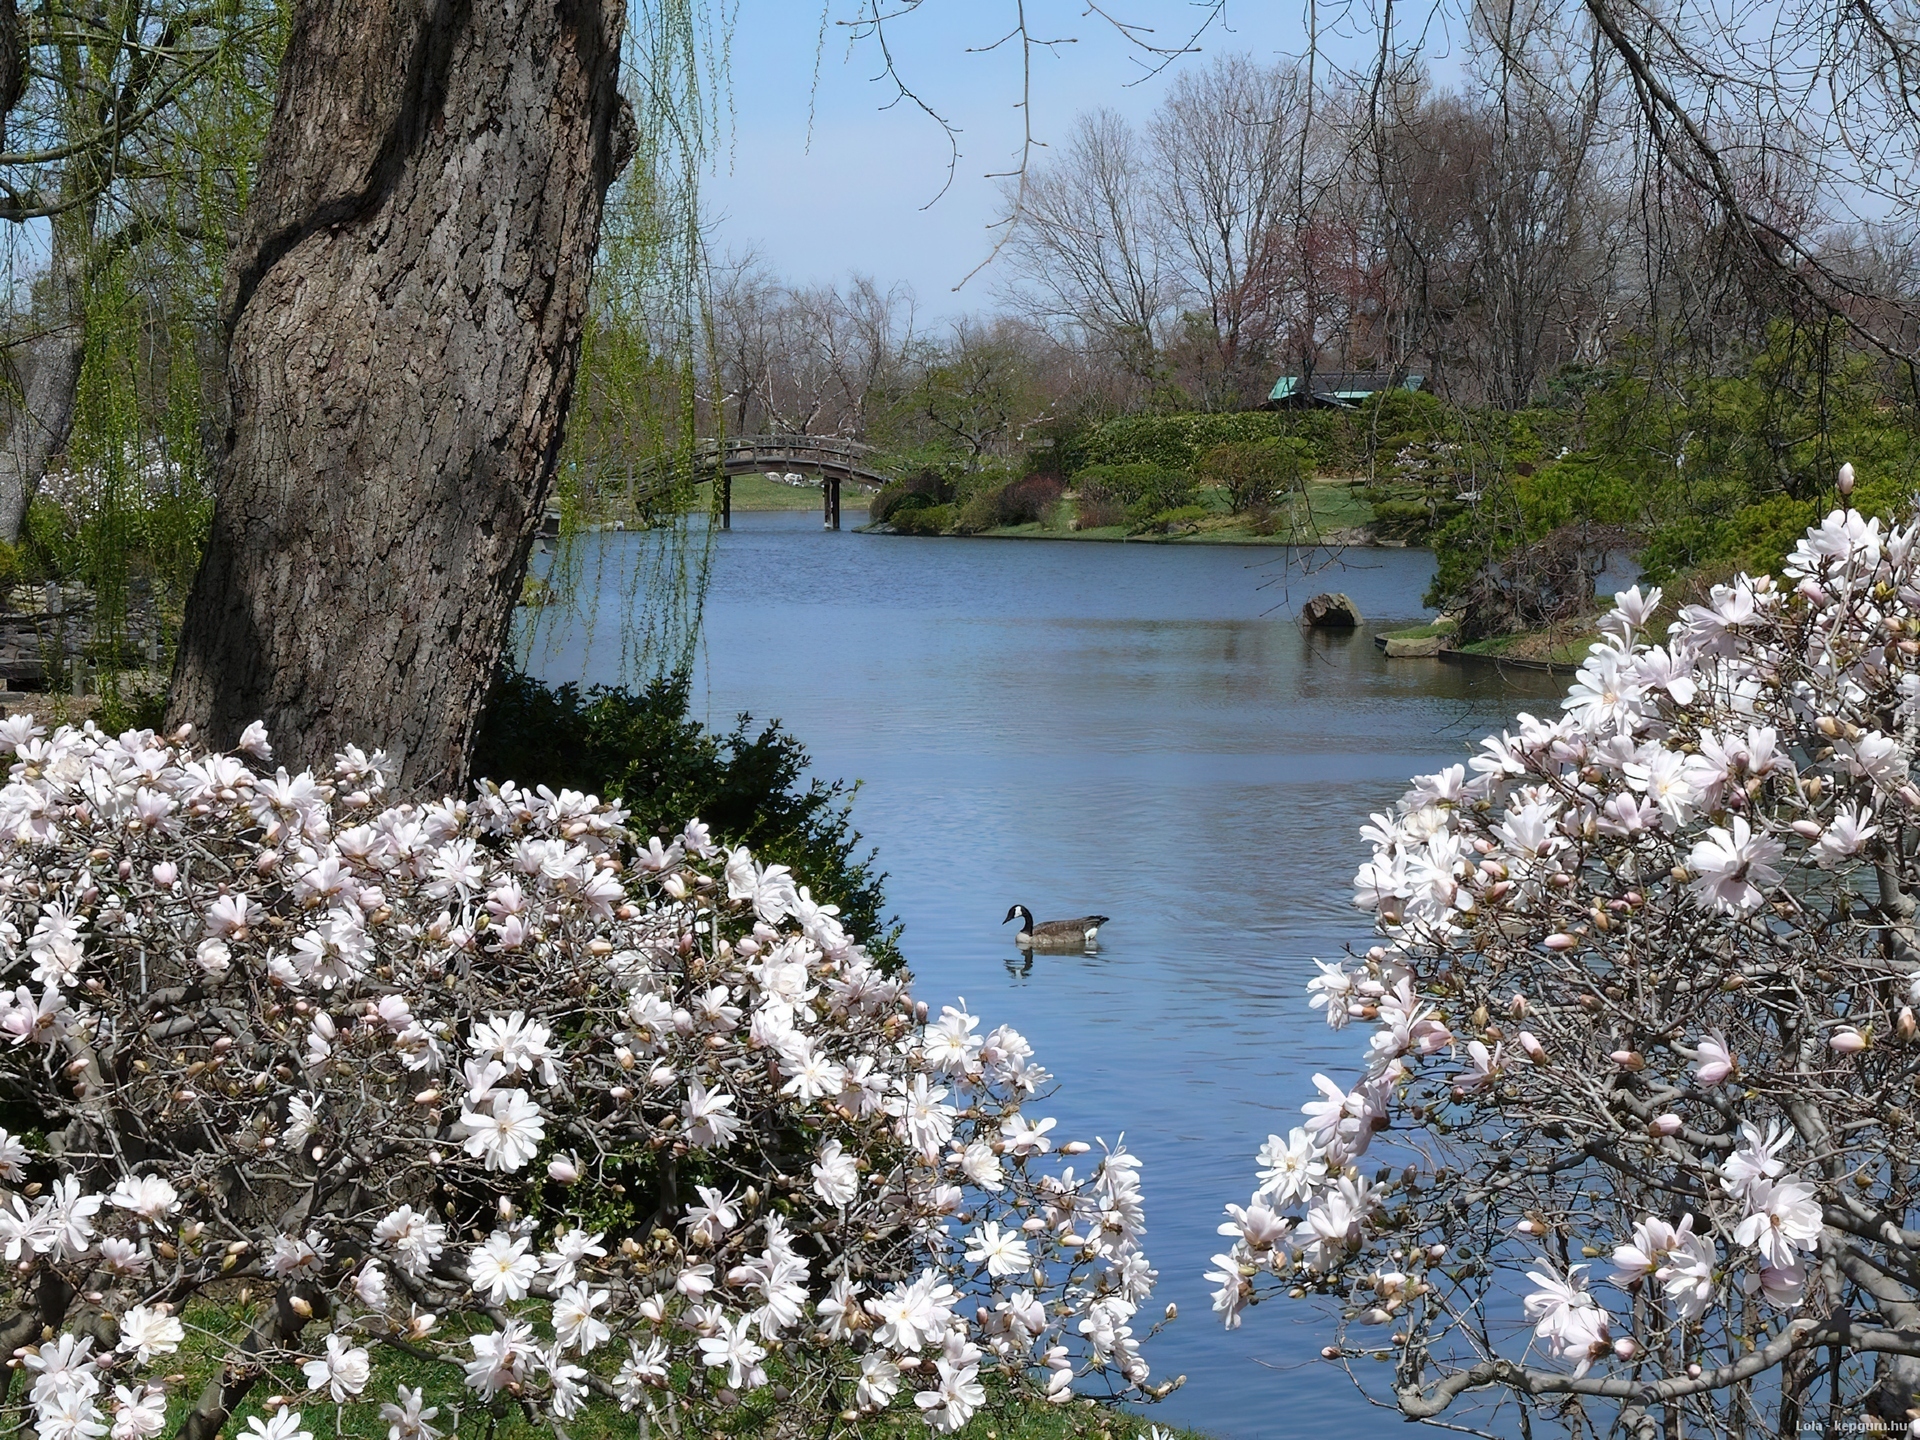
302	1083
1634	1146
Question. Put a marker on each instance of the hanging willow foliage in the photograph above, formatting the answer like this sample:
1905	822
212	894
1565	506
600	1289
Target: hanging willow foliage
633	432
133	278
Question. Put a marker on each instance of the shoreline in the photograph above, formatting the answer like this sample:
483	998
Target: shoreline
1336	541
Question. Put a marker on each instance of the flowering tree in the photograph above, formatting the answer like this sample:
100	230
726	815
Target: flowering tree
494	1091
1634	1145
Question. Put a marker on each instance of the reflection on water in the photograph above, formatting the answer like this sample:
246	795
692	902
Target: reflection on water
1140	731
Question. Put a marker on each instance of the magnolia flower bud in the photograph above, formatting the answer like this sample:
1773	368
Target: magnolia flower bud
1807	829
1531	1045
1629	1059
165	873
1330	1352
1848	1041
1075	1147
1844	481
563	1169
1173	1311
1625	1348
1693	1371
1560	941
1529	1227
1906	1027
1668	1124
1517	1007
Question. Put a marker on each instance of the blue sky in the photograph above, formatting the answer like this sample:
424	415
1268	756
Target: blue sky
850	192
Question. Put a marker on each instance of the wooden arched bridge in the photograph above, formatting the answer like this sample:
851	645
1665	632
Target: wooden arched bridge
833	459
717	461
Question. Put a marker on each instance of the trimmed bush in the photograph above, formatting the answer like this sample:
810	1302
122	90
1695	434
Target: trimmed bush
1165	522
918	491
1255	474
926	520
1030	500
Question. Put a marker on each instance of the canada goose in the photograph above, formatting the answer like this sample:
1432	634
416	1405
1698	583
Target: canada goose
1055	934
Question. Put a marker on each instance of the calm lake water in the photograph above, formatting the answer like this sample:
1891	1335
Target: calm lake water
1137	731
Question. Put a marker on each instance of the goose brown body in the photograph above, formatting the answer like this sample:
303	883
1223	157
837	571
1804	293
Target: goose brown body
1075	934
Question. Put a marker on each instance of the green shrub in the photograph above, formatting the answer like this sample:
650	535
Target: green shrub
1407	519
642	748
1164	522
1176	442
919	491
1256	473
982	512
1031	499
1128	485
926	520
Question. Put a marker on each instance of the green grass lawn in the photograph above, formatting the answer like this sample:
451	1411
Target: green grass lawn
756	492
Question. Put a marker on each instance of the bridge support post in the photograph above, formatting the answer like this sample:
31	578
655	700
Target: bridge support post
830	494
726	501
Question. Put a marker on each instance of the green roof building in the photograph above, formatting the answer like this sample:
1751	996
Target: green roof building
1340	389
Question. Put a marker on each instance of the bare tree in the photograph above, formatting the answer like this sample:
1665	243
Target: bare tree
1086	249
804	361
1223	143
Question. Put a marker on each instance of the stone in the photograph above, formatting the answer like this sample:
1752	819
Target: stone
1418	648
1329	610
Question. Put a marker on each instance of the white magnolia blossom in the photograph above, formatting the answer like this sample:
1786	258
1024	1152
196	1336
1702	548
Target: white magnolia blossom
415	1076
1643	985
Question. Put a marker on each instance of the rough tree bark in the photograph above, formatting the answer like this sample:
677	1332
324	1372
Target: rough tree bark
403	313
42	416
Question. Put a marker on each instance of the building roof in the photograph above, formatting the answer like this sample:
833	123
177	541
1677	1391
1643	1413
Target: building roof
1338	387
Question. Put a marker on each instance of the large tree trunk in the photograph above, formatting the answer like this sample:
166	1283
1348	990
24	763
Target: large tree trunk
404	311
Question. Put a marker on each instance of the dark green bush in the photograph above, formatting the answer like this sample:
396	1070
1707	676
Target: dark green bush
919	491
642	748
1031	499
1143	521
981	512
1131	485
1256	473
927	520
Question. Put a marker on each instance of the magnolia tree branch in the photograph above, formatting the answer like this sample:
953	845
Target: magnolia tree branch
1644	995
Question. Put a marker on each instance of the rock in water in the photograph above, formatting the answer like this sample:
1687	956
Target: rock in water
1330	610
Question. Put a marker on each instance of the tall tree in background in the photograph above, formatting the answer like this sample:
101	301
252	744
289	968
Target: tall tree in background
404	310
1224	142
1086	247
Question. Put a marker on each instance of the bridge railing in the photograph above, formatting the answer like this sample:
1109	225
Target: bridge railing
639	487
